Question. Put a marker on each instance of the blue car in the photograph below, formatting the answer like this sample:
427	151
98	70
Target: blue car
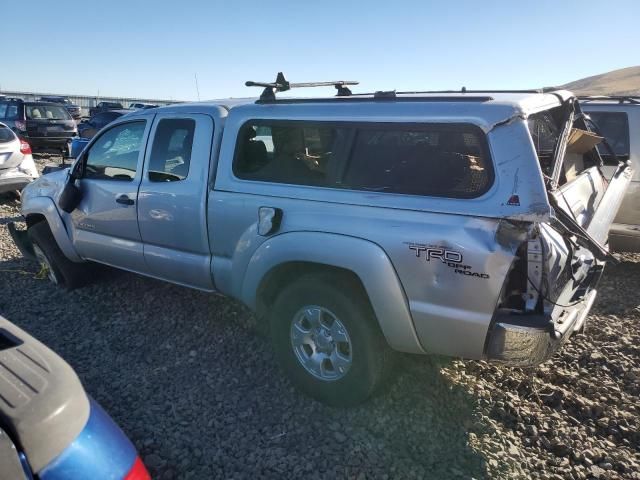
50	428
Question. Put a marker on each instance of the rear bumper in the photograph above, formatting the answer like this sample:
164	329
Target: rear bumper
13	179
528	340
58	143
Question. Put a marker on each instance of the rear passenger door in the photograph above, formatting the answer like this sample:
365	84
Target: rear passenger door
172	200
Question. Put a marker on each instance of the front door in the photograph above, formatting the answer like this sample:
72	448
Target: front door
105	224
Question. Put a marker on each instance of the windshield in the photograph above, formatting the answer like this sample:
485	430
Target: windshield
46	112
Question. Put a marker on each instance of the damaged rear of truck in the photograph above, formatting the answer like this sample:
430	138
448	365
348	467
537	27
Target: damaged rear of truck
552	282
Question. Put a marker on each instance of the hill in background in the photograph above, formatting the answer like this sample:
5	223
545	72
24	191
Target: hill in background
625	81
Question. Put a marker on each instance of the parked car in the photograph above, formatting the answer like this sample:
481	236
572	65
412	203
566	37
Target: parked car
44	125
16	163
141	106
463	224
618	119
87	129
50	428
105	107
72	108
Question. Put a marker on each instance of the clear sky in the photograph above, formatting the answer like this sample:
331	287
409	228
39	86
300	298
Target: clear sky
153	49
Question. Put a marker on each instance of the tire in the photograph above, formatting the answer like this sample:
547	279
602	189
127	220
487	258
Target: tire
59	269
297	342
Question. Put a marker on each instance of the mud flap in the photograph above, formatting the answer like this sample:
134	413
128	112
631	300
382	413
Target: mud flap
21	239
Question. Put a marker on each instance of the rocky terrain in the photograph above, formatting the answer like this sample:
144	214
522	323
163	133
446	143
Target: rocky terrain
199	394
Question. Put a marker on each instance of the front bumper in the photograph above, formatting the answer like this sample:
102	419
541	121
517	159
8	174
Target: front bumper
528	340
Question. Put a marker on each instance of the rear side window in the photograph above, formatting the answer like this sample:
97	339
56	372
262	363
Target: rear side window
47	112
8	111
425	159
447	161
6	135
171	150
114	156
297	153
614	126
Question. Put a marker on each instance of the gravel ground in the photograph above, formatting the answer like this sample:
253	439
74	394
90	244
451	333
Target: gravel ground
200	396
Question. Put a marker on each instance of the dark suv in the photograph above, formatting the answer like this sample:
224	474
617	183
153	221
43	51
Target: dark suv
72	108
45	125
105	107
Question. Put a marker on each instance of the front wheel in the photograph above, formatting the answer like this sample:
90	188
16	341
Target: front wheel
327	340
53	264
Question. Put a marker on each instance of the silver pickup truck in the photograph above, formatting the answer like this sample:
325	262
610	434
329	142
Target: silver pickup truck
469	224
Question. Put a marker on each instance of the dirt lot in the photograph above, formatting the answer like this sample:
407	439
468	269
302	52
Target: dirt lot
200	396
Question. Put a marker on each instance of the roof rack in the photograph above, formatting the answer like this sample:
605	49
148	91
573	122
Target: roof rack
282	85
633	99
464	90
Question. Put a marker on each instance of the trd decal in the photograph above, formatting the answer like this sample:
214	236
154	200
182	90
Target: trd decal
451	258
436	252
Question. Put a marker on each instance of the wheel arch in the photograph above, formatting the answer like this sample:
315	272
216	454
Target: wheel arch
40	209
285	257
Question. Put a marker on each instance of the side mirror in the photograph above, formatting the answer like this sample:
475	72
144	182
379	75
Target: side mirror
70	196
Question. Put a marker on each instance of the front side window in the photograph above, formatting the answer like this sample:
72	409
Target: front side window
431	160
614	126
171	150
114	155
47	112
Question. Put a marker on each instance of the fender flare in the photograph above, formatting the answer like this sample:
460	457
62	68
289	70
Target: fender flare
362	257
45	206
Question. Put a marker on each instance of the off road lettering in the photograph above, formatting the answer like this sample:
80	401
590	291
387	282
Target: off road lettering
450	258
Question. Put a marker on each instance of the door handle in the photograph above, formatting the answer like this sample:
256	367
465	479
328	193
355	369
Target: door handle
124	200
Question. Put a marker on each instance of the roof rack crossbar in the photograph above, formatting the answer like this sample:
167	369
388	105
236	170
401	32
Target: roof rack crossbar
282	85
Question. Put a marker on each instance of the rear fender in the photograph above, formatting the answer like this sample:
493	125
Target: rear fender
365	259
45	206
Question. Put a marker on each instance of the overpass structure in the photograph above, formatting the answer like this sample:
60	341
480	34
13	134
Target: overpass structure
85	101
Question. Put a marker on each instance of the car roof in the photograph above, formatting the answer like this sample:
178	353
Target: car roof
487	107
622	101
121	111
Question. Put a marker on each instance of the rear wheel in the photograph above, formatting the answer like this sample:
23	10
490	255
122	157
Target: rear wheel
53	264
327	340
